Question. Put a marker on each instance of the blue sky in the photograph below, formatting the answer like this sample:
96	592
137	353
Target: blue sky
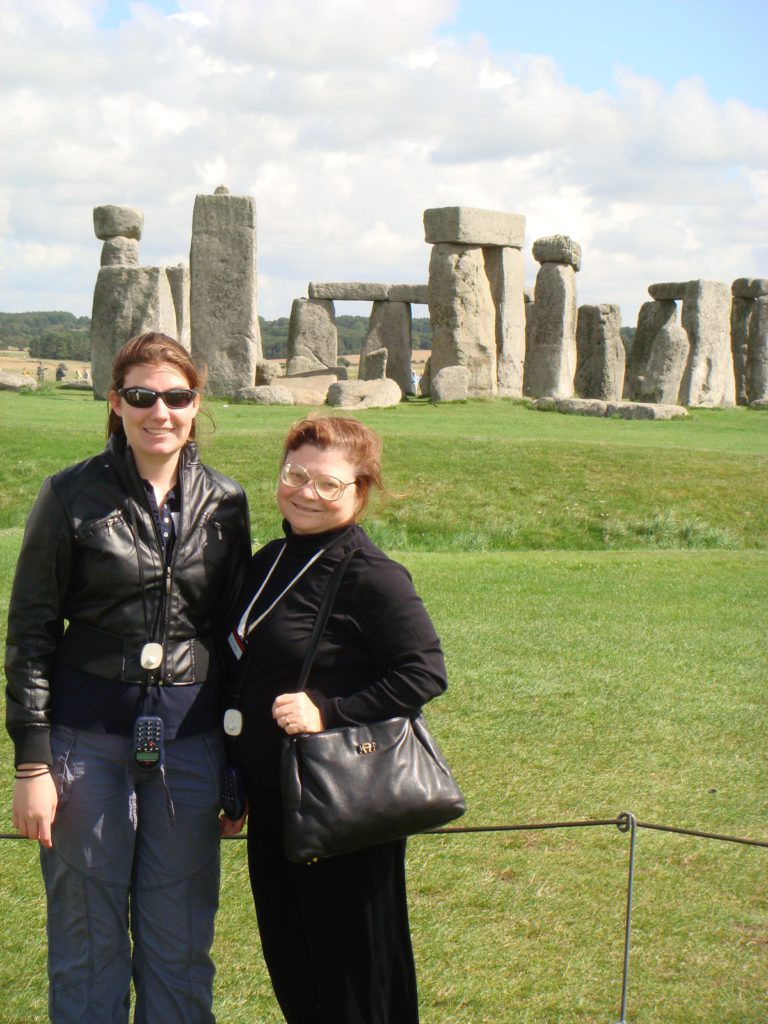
723	42
639	129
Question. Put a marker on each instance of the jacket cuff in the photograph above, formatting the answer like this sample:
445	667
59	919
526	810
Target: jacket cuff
32	745
327	708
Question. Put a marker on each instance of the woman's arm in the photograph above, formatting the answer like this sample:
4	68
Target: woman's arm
397	633
35	627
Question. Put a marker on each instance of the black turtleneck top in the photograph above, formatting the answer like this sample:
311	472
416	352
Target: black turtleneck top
379	655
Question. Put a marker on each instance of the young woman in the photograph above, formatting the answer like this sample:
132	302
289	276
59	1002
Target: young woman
335	933
126	563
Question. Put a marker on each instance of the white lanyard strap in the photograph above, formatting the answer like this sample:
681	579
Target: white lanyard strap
243	629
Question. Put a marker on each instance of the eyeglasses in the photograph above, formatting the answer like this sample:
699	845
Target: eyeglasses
329	488
145	398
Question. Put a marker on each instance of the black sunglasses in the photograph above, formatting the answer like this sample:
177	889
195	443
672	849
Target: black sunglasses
145	398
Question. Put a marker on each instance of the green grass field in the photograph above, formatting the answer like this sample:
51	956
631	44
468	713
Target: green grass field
599	586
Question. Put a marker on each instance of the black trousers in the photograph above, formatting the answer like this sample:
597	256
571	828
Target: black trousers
335	933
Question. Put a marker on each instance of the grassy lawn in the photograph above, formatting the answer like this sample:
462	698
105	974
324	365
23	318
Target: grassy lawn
599	586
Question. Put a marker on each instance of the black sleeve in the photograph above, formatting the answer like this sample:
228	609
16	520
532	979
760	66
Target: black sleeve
36	625
400	639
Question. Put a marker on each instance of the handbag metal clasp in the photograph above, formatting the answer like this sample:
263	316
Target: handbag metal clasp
366	748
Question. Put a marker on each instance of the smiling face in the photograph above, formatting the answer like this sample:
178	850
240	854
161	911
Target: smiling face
156	435
301	506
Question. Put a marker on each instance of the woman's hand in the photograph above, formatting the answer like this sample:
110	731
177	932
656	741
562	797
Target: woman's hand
34	806
228	827
295	713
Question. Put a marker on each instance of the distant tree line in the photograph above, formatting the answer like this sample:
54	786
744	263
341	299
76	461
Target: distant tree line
57	335
47	335
352	332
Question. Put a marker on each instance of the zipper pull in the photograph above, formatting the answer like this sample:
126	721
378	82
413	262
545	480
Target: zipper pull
168	580
217	528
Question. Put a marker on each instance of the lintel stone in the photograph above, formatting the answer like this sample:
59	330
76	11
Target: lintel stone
749	287
111	221
557	249
466	225
668	290
414	293
349	291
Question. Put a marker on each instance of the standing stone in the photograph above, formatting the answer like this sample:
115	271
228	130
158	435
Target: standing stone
312	335
463	316
708	379
120	252
600	353
660	382
425	381
650	320
225	325
741	314
757	352
390	328
551	358
451	384
126	301
179	279
376	363
504	268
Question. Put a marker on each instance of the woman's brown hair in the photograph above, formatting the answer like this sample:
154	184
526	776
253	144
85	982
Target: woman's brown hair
360	444
150	349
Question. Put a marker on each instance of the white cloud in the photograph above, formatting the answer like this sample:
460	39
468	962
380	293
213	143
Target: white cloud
345	131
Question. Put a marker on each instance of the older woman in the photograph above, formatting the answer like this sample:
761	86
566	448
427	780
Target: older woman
114	705
335	934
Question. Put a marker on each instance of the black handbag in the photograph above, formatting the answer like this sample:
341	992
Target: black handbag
356	786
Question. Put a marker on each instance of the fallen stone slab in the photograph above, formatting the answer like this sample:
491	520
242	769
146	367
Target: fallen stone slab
413	293
76	385
574	406
759	403
364	394
339	372
311	389
668	290
624	410
110	221
645	411
265	394
749	287
348	291
16	381
557	249
451	384
467	225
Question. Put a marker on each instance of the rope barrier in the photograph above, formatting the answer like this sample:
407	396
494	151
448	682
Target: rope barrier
624	822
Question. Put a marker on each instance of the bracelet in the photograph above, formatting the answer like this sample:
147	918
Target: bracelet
32	773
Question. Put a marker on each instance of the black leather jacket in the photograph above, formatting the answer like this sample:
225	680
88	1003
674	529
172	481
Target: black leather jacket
79	568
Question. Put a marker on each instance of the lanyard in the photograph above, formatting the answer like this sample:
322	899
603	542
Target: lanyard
239	635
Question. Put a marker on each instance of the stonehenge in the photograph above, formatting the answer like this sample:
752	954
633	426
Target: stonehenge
127	298
600	358
475	295
222	263
550	358
697	342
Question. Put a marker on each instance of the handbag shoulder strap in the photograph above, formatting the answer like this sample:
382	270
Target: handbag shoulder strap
322	617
